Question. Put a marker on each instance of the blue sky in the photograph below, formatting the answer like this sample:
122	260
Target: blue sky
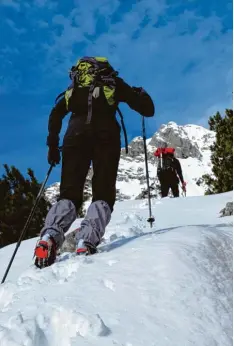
179	51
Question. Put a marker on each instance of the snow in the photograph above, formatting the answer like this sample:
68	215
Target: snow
199	135
161	286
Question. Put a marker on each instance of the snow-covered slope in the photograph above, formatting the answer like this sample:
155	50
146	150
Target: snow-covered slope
192	145
170	285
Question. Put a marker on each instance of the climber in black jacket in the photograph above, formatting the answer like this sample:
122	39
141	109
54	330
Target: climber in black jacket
170	174
91	137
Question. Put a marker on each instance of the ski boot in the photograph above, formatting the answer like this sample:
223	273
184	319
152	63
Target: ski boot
45	252
84	248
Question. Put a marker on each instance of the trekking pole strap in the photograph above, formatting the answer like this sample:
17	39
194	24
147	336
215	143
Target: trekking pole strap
124	130
28	222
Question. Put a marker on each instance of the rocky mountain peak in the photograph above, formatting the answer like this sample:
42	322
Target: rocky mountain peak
188	140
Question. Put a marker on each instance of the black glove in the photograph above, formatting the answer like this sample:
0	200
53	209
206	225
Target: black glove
142	102
53	156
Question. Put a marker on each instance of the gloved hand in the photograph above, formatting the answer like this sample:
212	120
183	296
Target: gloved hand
53	156
142	102
184	186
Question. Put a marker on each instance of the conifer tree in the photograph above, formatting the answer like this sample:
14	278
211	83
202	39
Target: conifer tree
17	196
222	154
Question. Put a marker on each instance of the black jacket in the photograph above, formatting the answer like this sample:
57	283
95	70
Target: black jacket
103	115
171	175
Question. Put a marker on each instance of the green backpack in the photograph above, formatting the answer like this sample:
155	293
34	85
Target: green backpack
93	72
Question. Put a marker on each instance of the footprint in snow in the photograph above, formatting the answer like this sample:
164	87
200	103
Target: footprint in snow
63	272
67	324
109	284
7	296
113	237
21	331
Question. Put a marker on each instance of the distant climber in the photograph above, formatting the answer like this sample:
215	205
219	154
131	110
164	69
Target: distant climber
93	135
169	172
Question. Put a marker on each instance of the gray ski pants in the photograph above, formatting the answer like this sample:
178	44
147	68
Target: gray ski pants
62	215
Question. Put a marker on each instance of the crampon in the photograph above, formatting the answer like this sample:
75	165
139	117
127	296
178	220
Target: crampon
45	253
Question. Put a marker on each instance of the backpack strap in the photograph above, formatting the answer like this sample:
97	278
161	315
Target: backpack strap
124	130
96	65
90	103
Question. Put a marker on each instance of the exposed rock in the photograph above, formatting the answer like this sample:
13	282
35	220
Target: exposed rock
228	210
176	137
69	244
135	148
154	192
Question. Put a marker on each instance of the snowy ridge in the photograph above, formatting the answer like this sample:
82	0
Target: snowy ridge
192	144
169	285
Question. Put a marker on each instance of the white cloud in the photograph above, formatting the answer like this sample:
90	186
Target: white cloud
10	3
49	4
81	23
9	50
13	26
42	24
61	50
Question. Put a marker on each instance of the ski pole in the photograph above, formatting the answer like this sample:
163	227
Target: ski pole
151	219
183	192
28	222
